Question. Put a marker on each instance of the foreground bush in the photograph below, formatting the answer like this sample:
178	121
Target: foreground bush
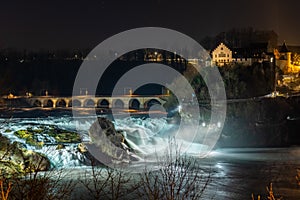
270	196
34	184
178	177
49	185
106	183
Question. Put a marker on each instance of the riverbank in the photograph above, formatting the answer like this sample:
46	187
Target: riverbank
267	122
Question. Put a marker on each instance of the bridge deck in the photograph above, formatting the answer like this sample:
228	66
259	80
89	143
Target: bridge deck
124	101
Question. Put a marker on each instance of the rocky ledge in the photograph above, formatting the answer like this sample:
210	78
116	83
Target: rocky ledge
47	135
16	159
108	144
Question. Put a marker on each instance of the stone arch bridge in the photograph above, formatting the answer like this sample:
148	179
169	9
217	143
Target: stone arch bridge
122	102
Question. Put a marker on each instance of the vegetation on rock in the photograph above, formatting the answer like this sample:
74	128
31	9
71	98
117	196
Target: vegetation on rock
29	137
38	137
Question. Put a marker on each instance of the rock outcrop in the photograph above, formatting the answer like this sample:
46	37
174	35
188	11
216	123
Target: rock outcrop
108	145
14	158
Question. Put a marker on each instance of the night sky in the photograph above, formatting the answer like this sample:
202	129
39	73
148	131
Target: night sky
57	24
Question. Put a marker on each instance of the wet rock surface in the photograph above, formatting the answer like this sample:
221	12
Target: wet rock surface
14	158
108	144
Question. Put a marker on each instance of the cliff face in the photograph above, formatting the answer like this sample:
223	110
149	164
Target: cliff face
272	122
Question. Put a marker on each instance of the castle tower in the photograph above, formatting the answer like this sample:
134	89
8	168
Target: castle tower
287	54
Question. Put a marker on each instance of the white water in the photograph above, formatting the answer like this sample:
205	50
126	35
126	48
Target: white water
69	156
145	135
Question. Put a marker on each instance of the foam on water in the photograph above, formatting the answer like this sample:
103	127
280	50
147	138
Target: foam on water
145	135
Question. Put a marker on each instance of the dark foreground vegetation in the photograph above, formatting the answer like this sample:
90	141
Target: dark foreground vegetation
174	177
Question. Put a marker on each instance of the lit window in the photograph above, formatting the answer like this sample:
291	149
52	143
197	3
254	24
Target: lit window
222	54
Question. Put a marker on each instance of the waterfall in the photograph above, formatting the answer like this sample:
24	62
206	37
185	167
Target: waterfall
146	136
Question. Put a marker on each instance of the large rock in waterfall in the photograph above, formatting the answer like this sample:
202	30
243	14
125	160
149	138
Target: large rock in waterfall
14	158
108	145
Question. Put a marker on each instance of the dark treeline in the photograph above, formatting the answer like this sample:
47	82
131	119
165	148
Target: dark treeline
37	76
55	72
21	74
241	38
38	71
27	55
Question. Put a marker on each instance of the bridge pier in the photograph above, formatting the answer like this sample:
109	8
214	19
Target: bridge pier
67	102
126	102
54	102
81	102
110	105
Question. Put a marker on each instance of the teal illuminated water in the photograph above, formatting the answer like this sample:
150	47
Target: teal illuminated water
234	173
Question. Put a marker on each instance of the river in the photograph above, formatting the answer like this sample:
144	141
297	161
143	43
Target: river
234	173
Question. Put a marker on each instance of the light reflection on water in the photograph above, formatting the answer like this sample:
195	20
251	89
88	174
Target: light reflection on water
235	173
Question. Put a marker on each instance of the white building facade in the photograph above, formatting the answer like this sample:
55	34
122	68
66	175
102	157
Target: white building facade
221	55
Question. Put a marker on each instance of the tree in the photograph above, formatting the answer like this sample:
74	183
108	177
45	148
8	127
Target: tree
178	177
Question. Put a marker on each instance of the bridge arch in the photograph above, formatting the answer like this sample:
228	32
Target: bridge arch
75	103
37	103
134	104
151	102
48	103
61	103
103	103
89	103
118	103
